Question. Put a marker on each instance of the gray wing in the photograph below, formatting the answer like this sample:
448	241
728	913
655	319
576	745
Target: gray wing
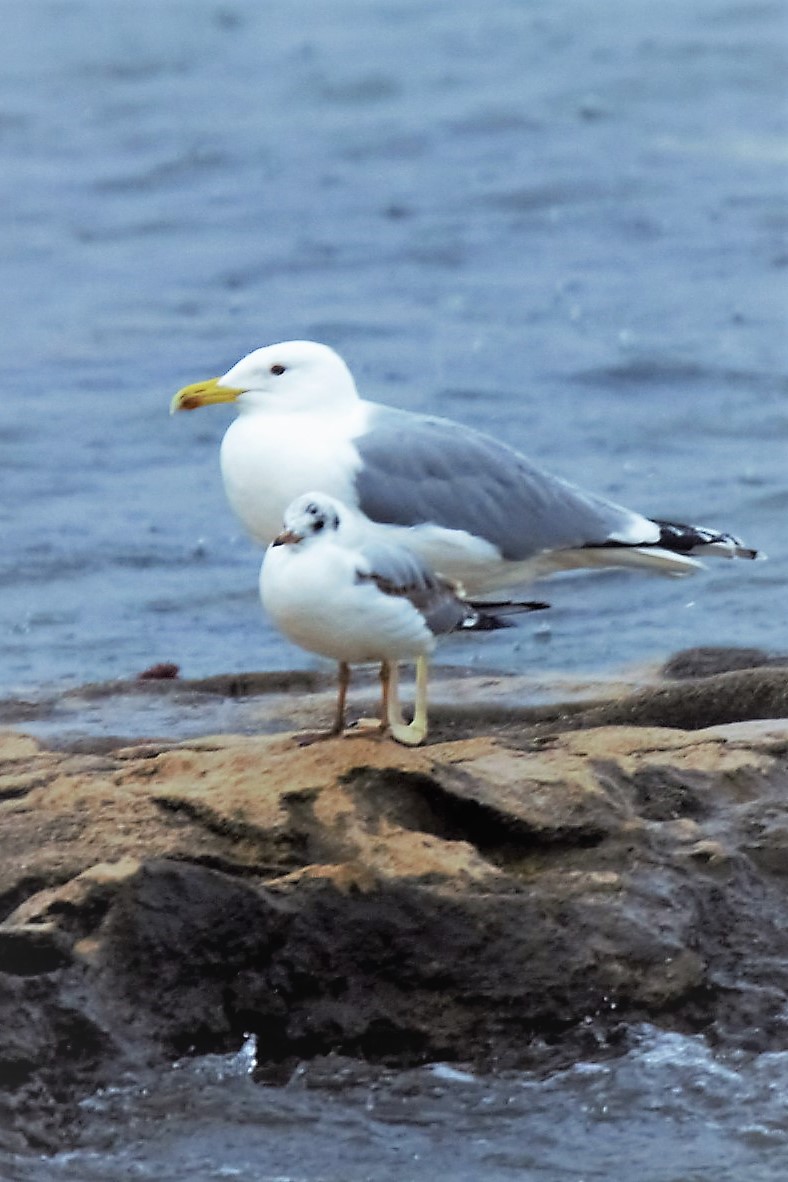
396	571
417	468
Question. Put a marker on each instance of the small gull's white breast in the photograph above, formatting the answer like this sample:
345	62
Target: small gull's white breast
313	595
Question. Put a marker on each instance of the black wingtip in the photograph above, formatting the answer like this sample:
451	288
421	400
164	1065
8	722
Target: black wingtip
694	539
490	615
509	606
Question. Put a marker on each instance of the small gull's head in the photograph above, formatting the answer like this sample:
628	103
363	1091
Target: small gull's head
309	516
291	377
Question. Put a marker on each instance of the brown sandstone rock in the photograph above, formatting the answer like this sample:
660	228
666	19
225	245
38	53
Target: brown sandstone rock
514	900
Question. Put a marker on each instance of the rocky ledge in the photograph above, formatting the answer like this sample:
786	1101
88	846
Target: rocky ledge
518	893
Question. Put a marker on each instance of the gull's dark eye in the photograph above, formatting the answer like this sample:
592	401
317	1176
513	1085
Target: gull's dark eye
277	369
319	523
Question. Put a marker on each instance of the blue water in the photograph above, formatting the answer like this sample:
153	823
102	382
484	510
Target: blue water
563	223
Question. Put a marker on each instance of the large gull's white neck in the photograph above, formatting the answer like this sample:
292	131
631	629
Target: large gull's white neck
268	459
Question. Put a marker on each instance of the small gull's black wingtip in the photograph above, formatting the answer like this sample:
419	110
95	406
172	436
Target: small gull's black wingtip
489	615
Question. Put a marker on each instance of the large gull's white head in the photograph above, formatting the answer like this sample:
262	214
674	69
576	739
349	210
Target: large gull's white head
292	377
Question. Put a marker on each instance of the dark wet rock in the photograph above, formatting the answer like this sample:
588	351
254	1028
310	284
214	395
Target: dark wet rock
692	704
163	671
172	945
518	897
51	1053
706	660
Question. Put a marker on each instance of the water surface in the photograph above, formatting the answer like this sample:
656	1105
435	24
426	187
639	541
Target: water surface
668	1110
562	224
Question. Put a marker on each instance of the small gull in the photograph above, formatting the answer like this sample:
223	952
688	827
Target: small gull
359	601
469	506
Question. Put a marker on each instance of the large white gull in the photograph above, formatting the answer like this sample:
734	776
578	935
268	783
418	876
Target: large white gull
472	508
358	601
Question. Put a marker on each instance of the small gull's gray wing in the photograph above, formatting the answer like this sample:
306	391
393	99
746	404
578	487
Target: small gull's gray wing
417	468
398	572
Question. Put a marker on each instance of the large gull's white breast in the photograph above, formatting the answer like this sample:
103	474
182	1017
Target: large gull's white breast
269	460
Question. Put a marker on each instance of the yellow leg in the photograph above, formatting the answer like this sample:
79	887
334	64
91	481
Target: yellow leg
415	732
